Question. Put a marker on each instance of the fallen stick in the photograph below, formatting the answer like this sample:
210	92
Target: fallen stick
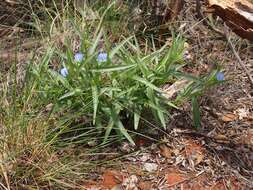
241	63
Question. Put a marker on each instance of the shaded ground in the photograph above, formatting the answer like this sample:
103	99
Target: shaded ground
217	156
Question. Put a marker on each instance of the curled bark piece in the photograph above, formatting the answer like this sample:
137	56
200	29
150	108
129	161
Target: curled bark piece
169	92
238	15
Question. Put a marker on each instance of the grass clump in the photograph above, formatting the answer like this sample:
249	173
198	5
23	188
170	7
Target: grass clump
27	159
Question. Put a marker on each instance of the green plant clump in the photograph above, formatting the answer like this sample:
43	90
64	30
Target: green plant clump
120	88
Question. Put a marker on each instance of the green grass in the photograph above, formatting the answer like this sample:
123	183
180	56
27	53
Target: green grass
46	119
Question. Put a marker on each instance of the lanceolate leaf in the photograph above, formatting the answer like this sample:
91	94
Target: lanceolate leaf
118	47
147	83
136	119
196	112
124	132
95	102
120	126
113	68
67	95
108	130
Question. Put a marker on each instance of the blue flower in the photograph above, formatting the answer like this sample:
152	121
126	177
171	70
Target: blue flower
64	72
78	57
102	57
220	76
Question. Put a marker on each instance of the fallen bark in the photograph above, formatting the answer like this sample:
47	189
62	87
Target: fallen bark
237	14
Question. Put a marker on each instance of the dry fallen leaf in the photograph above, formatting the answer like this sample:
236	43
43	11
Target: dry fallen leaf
243	113
175	178
218	186
130	182
232	183
126	147
111	179
145	185
117	187
91	185
49	107
247	138
150	167
145	157
221	138
199	157
165	151
194	152
168	92
229	117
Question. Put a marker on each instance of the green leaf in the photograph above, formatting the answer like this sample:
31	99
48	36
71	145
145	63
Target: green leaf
144	68
113	68
158	110
147	83
158	113
95	43
103	16
196	112
136	119
171	104
57	77
67	95
120	126
108	130
124	132
161	118
95	102
173	55
118	47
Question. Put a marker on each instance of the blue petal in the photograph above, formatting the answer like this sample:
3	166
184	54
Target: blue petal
220	76
78	57
64	72
102	57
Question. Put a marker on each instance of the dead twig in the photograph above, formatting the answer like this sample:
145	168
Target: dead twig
241	63
225	34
